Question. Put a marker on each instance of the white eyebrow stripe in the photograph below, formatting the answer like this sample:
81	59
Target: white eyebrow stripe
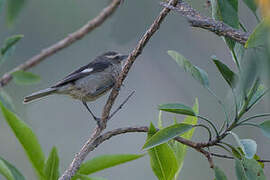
88	70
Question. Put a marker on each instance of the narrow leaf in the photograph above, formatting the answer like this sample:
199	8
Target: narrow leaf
265	128
167	134
6	100
27	138
257	96
9	171
9	45
249	169
226	11
251	5
177	108
25	78
106	161
162	159
219	174
179	148
51	170
13	9
226	72
258	36
197	73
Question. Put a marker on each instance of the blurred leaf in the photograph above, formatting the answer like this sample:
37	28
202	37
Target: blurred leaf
9	45
162	159
197	73
219	174
179	148
265	128
27	138
13	9
248	146
6	100
167	134
258	36
226	72
160	124
257	158
1	5
248	169
251	4
106	161
51	170
9	171
259	93
226	11
25	78
239	170
177	108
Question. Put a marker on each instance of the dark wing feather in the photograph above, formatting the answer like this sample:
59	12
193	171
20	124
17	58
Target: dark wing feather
77	74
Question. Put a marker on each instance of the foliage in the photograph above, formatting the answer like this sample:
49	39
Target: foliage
166	154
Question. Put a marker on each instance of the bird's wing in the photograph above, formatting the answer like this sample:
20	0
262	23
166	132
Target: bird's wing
86	70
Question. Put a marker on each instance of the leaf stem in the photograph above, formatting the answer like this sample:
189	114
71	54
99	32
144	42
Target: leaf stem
212	124
254	117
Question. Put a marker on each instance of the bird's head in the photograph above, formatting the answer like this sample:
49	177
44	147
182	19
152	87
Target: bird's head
114	57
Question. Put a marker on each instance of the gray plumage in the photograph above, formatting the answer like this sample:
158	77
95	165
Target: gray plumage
88	82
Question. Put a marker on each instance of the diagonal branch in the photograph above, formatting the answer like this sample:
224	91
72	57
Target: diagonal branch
87	147
67	41
197	20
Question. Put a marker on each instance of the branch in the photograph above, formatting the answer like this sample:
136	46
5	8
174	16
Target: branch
197	20
67	41
87	147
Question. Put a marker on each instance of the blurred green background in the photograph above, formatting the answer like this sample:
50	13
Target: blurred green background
65	123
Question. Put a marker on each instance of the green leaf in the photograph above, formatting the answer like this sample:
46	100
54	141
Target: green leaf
248	169
25	78
179	148
6	100
167	134
162	159
9	171
13	9
177	108
9	45
106	161
265	128
258	36
248	146
257	96
226	11
197	73
219	174
251	4
226	72
51	170
27	138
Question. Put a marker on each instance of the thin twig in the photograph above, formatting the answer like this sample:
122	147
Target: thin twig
67	41
81	155
230	157
121	105
197	20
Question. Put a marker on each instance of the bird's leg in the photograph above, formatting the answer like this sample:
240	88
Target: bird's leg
95	118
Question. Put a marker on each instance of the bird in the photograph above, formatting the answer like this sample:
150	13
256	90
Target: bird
88	82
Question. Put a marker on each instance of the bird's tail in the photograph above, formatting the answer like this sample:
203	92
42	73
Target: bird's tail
39	94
